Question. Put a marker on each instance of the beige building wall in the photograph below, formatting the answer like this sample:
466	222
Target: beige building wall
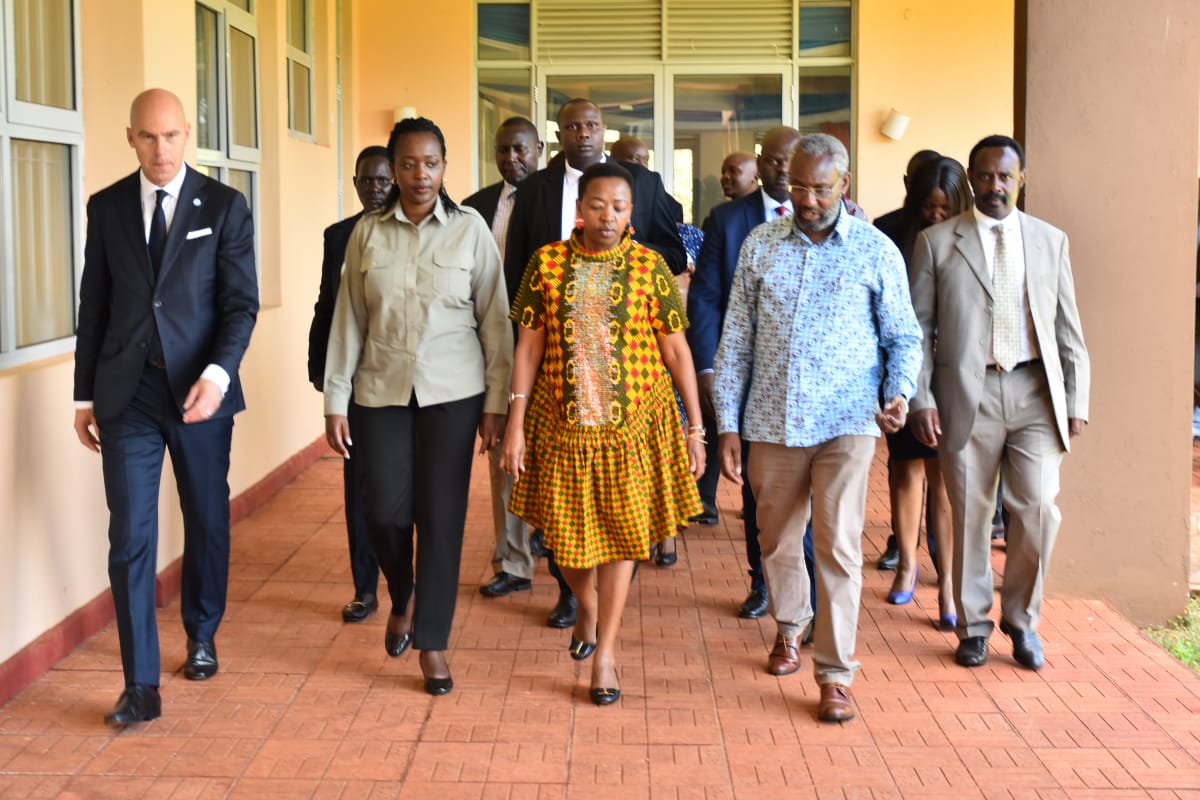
948	65
1111	133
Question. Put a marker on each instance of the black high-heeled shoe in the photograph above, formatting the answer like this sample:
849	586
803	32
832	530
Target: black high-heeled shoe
396	643
665	559
438	686
581	650
604	697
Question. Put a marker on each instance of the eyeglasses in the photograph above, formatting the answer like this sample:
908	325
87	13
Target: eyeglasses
819	192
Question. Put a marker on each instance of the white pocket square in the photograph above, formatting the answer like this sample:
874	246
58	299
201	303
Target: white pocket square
199	233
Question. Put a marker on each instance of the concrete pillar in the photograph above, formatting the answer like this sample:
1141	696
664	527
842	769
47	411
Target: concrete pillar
1110	124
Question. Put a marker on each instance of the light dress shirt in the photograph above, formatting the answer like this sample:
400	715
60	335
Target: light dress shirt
422	310
811	332
769	206
504	207
570	195
1015	246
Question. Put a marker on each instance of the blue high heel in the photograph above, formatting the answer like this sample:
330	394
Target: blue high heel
948	622
900	598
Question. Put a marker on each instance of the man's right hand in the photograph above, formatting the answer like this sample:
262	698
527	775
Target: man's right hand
926	426
729	450
86	429
704	385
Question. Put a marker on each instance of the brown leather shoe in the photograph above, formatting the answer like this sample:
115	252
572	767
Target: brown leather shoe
836	705
784	658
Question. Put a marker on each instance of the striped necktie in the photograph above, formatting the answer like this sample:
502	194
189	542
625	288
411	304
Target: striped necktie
1006	310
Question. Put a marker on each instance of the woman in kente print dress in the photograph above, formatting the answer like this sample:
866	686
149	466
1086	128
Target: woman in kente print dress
608	470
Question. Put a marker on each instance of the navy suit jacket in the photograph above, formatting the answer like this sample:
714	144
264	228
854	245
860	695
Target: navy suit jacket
724	231
337	236
204	302
537	220
485	201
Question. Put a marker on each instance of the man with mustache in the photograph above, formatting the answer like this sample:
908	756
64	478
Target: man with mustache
1004	392
819	320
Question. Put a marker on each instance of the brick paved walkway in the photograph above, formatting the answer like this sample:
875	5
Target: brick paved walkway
305	706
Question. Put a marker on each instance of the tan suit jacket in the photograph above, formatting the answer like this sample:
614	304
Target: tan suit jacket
952	295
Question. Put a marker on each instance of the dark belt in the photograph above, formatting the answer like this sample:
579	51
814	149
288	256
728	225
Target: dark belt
1020	365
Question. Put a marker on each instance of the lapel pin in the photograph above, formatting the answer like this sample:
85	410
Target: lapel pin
196	202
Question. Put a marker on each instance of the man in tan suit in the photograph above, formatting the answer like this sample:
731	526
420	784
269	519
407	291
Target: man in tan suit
1002	392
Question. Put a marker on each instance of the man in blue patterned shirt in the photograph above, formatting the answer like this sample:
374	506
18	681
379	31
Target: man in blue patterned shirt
819	320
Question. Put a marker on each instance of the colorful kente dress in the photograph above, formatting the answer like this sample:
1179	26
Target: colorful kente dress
606	462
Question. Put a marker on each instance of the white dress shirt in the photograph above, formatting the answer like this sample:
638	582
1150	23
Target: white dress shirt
769	206
1016	254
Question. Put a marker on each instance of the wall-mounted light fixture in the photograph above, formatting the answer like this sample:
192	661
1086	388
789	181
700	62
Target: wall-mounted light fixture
895	125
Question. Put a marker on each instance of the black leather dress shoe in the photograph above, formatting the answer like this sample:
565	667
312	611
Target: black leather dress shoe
581	649
1027	647
755	604
667	558
201	661
564	613
972	652
138	703
359	609
505	583
708	516
890	558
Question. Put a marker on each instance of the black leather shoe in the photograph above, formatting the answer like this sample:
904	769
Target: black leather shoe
665	558
201	661
505	583
537	544
755	604
439	686
564	614
580	649
604	697
396	643
890	558
359	609
138	703
972	652
708	516
1027	647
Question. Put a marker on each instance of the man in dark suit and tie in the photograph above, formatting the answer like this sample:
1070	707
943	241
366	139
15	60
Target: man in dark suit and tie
518	151
1002	392
168	299
372	182
724	231
545	212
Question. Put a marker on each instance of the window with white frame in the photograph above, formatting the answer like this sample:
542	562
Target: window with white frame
228	141
300	67
41	203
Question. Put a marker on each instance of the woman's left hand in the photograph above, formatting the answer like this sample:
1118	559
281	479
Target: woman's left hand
491	429
696	457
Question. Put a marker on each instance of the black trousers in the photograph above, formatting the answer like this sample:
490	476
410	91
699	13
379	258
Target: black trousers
416	463
364	568
131	451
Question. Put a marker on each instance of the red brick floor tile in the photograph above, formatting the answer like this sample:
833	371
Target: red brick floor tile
306	706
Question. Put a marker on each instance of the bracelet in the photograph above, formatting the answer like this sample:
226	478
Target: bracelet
699	428
697	437
514	396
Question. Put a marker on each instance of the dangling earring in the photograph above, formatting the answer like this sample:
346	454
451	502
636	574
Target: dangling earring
629	229
578	222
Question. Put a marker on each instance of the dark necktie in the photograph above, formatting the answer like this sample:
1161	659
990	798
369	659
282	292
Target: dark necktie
158	232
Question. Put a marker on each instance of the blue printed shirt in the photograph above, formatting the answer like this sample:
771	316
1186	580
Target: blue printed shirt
811	333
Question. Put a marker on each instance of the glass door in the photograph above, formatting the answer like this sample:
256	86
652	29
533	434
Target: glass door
716	114
629	103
